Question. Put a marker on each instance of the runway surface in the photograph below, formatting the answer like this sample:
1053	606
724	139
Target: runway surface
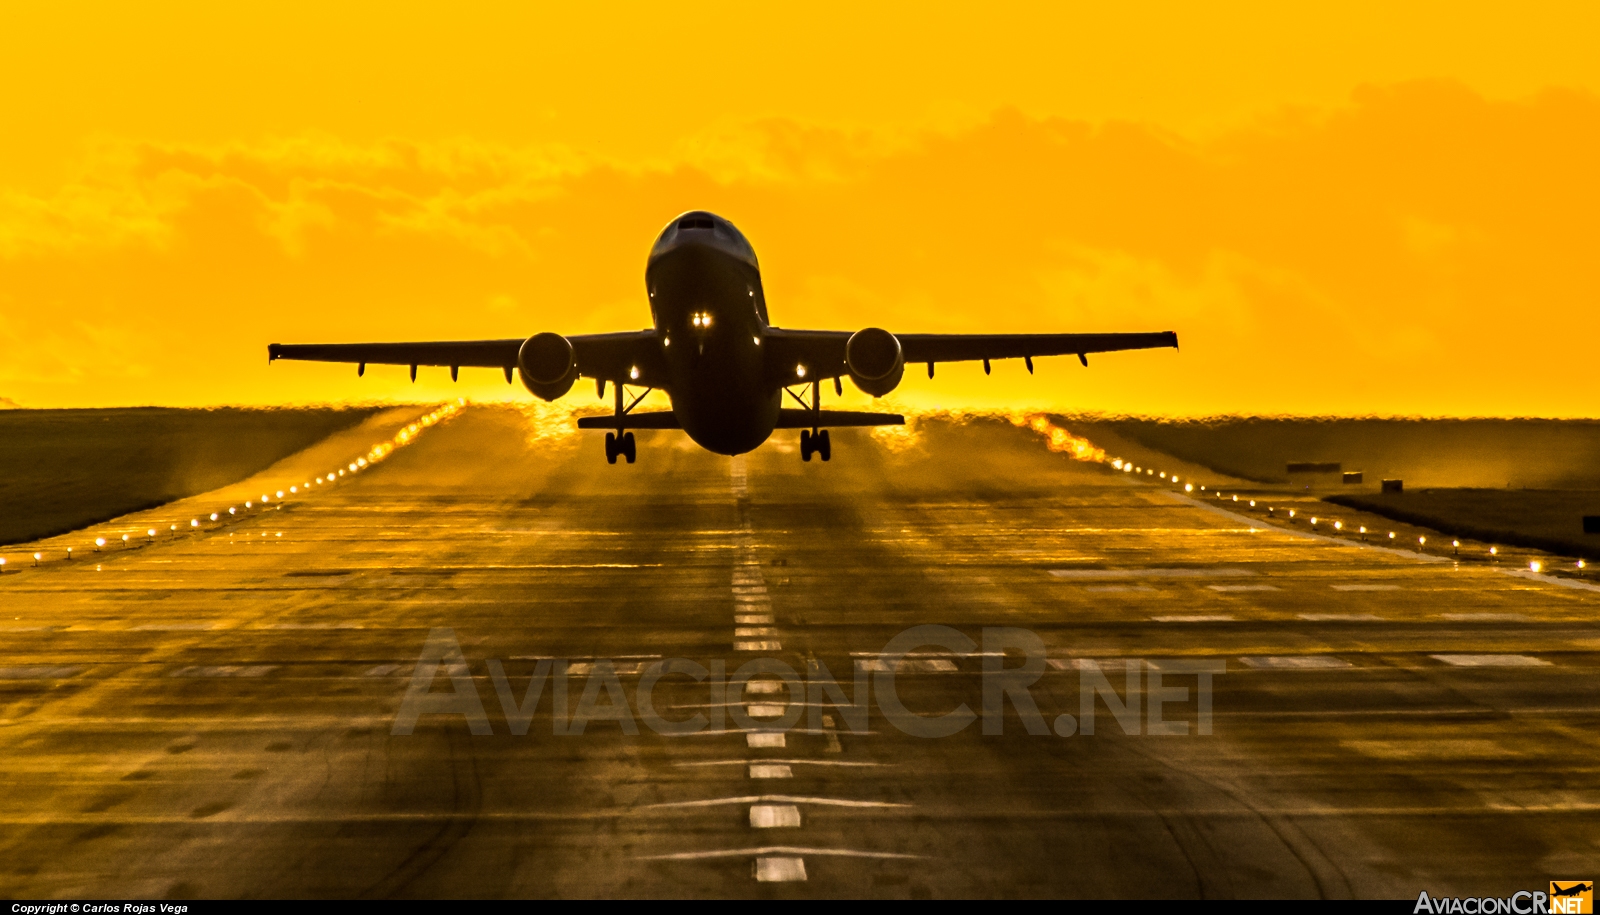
211	715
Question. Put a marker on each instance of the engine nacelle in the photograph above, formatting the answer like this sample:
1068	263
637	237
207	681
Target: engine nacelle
548	365
875	360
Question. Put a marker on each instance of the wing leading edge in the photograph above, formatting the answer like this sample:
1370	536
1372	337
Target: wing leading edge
613	357
823	350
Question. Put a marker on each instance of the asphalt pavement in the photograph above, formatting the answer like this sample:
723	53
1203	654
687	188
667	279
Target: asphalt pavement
213	711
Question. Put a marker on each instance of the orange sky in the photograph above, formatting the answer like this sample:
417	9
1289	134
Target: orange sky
1358	210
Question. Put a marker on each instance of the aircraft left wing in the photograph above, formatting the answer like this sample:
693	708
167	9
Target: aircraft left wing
823	350
609	356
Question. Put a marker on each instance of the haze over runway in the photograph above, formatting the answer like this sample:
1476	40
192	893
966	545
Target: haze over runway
210	715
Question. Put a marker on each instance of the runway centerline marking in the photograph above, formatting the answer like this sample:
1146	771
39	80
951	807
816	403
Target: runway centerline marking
1366	587
1296	662
774	816
1112	574
778	799
1195	618
1490	660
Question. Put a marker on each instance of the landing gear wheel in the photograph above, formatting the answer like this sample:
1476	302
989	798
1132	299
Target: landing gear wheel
805	444
824	445
611	448
627	449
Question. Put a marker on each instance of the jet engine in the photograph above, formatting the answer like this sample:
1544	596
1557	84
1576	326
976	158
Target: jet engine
548	365
875	360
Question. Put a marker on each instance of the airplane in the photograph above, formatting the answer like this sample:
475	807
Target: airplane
713	350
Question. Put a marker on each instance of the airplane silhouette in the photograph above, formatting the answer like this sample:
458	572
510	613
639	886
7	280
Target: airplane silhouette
713	350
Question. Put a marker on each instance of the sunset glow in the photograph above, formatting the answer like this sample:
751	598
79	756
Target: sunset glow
1389	212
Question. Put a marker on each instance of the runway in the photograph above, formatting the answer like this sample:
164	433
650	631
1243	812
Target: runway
211	715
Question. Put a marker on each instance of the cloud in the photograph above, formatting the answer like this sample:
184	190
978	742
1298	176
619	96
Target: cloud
1420	249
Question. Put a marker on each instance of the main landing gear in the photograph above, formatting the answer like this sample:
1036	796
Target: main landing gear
815	443
623	446
620	442
814	440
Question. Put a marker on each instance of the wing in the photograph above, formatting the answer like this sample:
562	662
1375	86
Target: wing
609	356
823	350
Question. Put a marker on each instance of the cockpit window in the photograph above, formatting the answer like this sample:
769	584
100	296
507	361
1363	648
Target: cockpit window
696	224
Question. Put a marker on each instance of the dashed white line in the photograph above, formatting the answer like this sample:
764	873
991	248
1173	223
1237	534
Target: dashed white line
780	869
1490	660
1296	662
768	770
1366	587
1195	618
774	816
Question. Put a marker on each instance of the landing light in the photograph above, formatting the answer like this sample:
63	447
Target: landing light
1494	551
1534	566
666	341
99	541
633	373
1235	498
1163	474
800	371
294	489
1580	564
213	516
1391	535
1421	541
151	533
1338	525
124	538
1252	503
194	522
1291	513
280	493
1188	487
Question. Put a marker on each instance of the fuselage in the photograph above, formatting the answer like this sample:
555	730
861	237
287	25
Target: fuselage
707	306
